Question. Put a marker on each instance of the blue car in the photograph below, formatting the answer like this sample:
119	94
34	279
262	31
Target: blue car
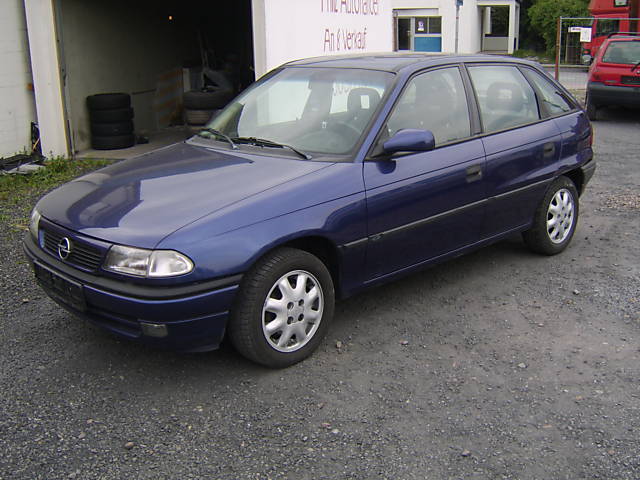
326	177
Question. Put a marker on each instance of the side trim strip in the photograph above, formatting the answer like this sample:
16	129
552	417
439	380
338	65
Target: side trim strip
424	221
522	189
355	243
418	223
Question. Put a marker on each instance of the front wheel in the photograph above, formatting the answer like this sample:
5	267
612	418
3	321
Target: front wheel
283	308
555	219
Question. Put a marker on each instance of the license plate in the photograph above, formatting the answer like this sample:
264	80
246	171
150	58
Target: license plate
628	80
60	288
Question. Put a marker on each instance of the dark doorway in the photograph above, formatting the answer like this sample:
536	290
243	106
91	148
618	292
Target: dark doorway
404	34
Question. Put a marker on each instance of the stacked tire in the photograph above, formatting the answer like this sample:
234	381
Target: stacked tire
200	106
111	118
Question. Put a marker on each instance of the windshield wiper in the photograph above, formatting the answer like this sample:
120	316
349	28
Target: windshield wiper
261	142
217	133
635	66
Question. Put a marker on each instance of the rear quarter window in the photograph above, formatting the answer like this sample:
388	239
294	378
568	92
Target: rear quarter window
554	101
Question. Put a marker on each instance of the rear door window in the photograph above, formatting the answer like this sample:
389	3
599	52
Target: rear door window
505	98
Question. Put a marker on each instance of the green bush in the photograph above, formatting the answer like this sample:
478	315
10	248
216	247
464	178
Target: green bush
544	16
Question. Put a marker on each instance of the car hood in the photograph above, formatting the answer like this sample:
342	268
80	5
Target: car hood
142	200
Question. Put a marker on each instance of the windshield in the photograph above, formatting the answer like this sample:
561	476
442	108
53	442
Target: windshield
622	52
314	110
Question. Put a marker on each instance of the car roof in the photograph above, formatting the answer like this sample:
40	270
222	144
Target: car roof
623	37
396	62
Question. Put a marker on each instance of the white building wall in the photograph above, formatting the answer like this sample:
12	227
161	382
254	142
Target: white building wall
16	91
470	31
285	30
416	4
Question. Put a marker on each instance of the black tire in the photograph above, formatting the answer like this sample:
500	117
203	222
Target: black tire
108	101
116	115
548	240
115	142
111	129
196	100
261	282
198	117
592	110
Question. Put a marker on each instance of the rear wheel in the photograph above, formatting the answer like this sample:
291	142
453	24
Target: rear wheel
283	308
555	219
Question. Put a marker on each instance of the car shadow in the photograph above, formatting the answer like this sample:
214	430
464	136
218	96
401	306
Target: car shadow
618	114
148	369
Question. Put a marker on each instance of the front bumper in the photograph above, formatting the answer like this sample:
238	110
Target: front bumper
187	318
601	95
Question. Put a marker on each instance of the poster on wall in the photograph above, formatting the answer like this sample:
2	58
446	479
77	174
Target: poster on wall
297	29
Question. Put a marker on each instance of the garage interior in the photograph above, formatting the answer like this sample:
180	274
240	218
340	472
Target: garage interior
153	50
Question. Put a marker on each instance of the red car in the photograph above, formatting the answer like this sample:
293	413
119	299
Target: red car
614	75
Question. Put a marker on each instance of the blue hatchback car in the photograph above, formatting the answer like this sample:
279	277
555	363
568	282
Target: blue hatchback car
327	176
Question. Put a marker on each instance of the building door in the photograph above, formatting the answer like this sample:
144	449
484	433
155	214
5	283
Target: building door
419	34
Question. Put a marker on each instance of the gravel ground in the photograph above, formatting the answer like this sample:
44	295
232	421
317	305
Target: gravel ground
498	365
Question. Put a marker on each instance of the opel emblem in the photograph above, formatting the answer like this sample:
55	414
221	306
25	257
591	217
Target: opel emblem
64	248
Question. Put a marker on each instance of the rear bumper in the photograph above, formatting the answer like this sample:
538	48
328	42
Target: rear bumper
179	320
588	169
602	95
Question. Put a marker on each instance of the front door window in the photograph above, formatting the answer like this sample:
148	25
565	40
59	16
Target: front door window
433	101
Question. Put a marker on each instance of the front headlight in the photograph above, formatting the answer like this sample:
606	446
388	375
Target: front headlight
147	263
34	223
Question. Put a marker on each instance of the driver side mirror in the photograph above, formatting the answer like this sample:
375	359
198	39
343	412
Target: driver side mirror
410	140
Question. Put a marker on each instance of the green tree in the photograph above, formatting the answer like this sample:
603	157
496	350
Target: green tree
544	17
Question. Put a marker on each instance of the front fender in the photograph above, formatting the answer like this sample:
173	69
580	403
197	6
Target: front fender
341	222
329	204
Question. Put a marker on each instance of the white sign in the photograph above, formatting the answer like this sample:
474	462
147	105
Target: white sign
297	29
575	29
585	34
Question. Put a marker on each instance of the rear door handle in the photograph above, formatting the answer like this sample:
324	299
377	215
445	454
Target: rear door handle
549	149
474	173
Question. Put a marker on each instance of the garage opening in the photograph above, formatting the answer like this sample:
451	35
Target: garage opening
154	51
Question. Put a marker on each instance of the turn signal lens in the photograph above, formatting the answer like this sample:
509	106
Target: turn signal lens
167	263
34	224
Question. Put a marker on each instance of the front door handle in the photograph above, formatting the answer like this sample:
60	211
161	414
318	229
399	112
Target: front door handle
474	173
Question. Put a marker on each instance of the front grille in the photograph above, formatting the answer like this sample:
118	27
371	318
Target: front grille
629	80
82	254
